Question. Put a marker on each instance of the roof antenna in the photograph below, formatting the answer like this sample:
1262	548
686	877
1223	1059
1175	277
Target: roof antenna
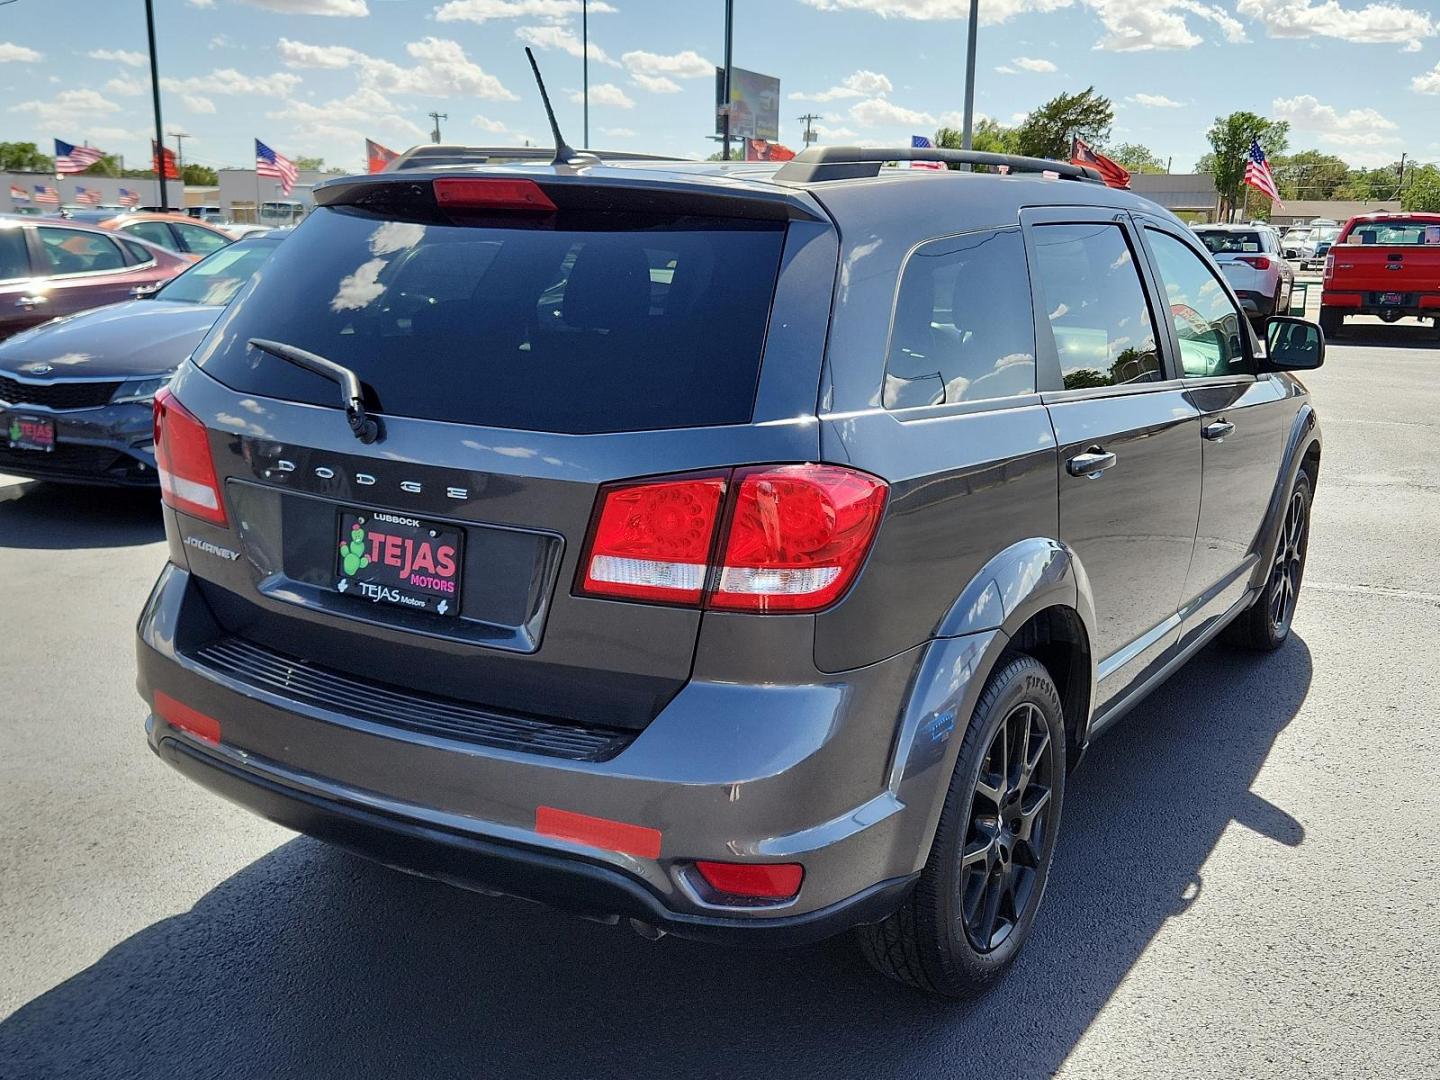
565	154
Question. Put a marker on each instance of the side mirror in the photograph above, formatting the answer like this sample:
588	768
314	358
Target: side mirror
145	292
1292	253
1293	344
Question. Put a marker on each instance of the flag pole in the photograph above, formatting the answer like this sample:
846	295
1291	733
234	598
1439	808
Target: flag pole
155	93
968	124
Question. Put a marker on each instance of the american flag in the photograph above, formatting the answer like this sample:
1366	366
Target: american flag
276	166
18	194
46	194
1257	173
129	198
920	142
88	196
74	159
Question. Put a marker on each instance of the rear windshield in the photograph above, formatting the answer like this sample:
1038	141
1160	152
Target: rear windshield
1226	243
598	325
1395	233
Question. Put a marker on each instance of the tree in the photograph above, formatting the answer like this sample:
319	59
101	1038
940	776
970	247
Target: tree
1138	158
1230	138
1308	174
24	157
1422	190
1046	132
1370	185
199	175
316	164
987	137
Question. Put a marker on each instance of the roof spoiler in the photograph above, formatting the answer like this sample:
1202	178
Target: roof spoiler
437	155
849	162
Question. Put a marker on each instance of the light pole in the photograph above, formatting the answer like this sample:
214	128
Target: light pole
155	93
969	123
180	137
585	65
437	117
725	89
809	135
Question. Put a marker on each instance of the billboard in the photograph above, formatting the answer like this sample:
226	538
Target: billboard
754	105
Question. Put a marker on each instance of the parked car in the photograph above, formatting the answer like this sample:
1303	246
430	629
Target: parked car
754	636
1385	264
77	394
50	267
174	232
1254	264
242	229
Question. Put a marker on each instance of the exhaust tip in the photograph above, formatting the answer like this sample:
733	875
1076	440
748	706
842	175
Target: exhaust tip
645	930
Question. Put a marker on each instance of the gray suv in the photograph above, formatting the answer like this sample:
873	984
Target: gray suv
746	553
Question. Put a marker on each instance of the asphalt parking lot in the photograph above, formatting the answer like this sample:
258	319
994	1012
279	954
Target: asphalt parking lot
1247	882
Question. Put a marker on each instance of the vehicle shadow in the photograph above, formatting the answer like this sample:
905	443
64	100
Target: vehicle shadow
311	963
67	516
1408	334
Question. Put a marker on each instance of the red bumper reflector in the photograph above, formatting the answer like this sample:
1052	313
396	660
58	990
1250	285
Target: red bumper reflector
178	714
768	881
598	832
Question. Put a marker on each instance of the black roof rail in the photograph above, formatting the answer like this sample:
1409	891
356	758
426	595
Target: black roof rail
847	162
434	155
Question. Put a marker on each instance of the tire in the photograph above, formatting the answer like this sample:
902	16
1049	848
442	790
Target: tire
976	899
1265	624
1331	322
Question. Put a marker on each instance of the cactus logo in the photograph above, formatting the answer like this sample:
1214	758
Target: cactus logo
15	432
352	554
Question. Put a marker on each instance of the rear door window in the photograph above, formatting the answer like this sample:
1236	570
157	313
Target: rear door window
597	324
70	251
14	261
963	328
199	241
156	232
1095	303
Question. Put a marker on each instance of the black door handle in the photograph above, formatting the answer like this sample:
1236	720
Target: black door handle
1091	463
1218	430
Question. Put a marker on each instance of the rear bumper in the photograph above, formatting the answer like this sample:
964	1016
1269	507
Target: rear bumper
1256	304
1415	305
762	773
566	882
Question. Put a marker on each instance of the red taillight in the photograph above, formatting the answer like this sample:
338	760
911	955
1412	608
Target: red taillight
793	540
797	536
763	881
475	193
178	714
652	541
1259	262
182	458
1329	267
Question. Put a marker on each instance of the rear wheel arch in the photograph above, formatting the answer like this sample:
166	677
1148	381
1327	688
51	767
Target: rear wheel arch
1058	637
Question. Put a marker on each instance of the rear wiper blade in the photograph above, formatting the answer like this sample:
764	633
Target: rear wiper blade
362	425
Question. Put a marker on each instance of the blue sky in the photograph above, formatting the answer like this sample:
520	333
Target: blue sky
315	77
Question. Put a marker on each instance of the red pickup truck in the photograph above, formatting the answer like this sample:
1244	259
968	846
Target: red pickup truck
1386	265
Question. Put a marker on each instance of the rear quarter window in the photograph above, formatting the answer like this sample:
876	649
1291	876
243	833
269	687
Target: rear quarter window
597	324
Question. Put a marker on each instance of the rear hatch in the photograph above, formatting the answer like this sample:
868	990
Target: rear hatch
1241	256
1394	260
520	346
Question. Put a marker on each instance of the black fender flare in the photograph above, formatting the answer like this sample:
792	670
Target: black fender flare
1304	435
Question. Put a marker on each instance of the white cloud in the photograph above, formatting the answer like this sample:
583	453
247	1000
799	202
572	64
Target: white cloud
861	83
833	134
1382	23
1141	25
9	51
559	37
1429	83
128	86
120	56
229	82
1354	127
365	107
201	3
1155	101
656	84
358	289
1005	69
443	69
354	8
682	65
878	112
605	94
66	107
480	11
197	104
484	123
1027	63
618	133
991	11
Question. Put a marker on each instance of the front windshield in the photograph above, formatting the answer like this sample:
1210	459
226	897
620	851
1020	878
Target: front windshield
214	280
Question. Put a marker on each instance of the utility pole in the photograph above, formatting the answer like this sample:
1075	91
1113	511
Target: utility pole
810	135
437	117
180	137
725	89
584	65
968	130
155	94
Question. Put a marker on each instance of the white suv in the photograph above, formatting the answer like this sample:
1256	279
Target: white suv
1254	264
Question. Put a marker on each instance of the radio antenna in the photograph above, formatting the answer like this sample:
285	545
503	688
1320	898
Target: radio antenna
565	154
